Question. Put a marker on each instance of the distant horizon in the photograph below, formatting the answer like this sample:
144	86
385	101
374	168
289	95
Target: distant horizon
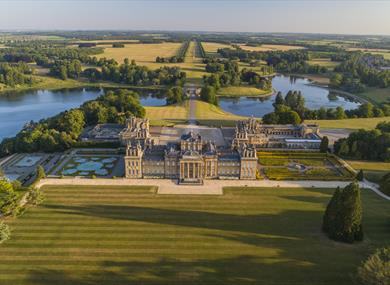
184	31
344	17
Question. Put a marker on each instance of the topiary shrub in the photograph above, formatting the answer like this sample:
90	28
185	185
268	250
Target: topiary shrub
360	175
5	233
342	219
35	196
376	269
40	173
385	184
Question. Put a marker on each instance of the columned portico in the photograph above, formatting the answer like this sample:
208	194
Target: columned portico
191	171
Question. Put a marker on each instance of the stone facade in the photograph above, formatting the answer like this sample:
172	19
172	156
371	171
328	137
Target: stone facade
253	133
191	160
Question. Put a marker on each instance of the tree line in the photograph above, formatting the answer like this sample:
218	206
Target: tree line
359	70
12	74
179	57
227	73
133	74
291	110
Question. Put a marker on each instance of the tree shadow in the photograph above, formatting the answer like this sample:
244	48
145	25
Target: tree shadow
275	224
241	270
281	245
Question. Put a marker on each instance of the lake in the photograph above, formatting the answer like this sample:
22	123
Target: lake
315	98
17	109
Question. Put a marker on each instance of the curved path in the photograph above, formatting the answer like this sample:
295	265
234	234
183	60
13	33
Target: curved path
210	187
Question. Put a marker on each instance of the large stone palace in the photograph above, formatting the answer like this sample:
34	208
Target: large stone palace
192	159
253	132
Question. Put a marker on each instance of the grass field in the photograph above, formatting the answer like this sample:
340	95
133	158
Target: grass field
384	52
143	54
124	235
266	47
211	48
358	123
193	65
376	95
373	170
208	114
47	83
168	115
326	62
237	91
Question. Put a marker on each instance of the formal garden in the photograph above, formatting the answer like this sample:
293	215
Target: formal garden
281	165
89	166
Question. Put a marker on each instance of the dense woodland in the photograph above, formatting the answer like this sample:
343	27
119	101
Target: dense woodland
13	74
61	132
293	61
227	73
366	144
133	74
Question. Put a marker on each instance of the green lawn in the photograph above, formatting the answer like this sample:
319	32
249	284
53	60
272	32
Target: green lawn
354	124
373	170
168	115
123	235
237	91
211	115
376	95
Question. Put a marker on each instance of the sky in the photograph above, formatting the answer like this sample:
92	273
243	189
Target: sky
291	16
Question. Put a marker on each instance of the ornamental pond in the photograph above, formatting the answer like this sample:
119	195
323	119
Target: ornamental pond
315	98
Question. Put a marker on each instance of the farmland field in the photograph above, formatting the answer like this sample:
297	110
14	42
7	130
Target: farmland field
326	62
384	52
143	54
266	47
211	48
128	235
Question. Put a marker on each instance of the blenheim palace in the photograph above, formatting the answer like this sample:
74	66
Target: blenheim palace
191	159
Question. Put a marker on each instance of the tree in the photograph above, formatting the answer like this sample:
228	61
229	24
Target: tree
331	212
174	95
40	173
360	175
324	146
279	100
385	184
8	198
289	117
376	269
340	113
5	233
208	94
342	220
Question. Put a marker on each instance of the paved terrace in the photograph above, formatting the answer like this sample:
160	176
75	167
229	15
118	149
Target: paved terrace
210	187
